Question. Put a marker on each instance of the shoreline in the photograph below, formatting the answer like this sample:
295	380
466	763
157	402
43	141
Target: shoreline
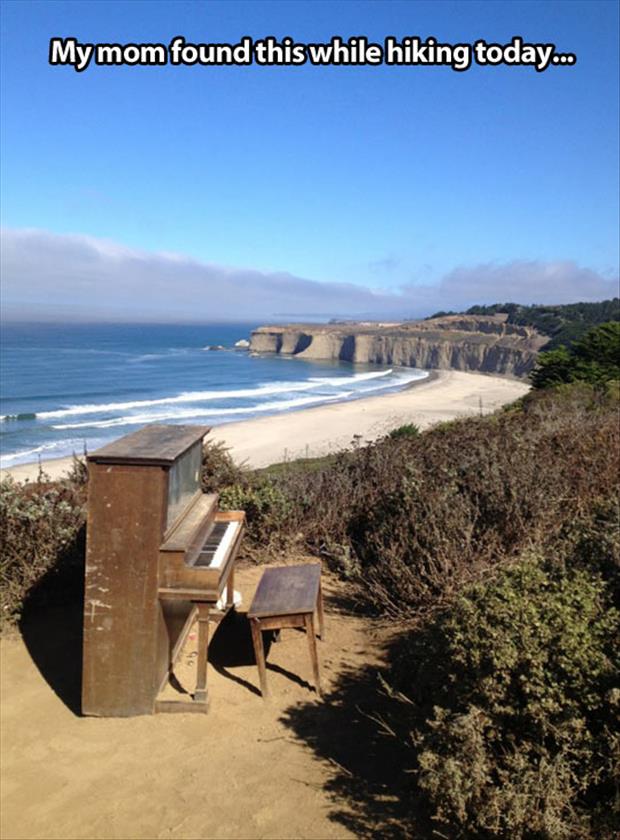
324	429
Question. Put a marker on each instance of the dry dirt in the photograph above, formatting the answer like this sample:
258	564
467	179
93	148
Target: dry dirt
291	768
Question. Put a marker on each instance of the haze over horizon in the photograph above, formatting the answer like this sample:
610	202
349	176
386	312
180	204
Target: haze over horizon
175	288
266	193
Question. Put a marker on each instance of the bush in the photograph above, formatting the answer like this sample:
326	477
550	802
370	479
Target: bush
413	519
510	700
408	430
218	468
595	358
266	509
42	531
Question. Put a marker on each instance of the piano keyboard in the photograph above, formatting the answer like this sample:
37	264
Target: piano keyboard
217	545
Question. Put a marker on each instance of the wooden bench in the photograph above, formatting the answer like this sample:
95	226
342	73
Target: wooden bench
287	596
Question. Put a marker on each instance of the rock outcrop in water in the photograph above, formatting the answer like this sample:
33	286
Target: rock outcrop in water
456	342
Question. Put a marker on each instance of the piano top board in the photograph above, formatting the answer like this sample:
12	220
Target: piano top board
154	445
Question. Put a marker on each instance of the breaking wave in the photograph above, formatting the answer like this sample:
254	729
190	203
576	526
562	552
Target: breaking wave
192	397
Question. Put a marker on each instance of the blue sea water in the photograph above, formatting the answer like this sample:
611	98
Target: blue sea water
67	387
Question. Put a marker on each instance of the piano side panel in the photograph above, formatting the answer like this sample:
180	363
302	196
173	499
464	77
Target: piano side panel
123	624
176	620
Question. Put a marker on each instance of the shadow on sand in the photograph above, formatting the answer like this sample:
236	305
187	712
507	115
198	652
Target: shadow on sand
373	796
51	627
52	633
231	647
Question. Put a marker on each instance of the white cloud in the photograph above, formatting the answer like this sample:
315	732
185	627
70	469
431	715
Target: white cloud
80	276
522	281
47	275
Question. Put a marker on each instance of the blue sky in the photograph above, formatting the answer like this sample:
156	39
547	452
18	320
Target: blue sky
334	190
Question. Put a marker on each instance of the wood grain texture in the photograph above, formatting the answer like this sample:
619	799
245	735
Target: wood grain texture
287	596
286	590
122	616
152	445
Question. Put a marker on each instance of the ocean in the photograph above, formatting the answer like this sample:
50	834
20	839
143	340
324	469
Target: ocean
68	388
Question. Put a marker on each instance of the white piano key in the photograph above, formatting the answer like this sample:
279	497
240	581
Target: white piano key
225	544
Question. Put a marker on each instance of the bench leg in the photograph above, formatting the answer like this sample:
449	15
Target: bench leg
259	653
319	605
200	694
309	622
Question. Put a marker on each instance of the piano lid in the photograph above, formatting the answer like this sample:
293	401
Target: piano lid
154	445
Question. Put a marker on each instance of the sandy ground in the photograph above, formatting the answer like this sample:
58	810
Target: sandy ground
329	428
244	770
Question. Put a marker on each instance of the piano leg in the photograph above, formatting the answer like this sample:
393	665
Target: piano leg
230	589
200	694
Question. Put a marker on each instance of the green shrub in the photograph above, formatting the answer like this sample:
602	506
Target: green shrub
218	468
431	514
595	358
592	542
408	430
266	509
510	700
565	323
42	529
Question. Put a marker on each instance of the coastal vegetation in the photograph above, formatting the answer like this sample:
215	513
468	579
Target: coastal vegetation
508	703
42	541
565	323
490	547
595	358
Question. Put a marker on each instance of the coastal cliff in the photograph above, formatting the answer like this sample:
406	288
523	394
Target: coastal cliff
467	343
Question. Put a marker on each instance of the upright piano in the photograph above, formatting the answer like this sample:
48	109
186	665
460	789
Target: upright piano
160	556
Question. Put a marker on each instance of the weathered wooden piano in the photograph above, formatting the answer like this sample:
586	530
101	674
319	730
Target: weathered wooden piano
160	555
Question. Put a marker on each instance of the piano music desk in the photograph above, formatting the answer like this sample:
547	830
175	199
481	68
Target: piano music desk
287	596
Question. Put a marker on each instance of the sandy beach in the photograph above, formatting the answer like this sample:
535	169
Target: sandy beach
313	432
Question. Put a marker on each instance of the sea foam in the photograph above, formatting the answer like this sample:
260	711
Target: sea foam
202	396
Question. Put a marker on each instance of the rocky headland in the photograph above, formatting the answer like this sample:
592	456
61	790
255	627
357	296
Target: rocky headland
486	344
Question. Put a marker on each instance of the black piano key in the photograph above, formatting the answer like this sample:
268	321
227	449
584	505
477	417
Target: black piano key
211	544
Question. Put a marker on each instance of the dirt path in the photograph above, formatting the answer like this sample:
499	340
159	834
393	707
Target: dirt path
241	771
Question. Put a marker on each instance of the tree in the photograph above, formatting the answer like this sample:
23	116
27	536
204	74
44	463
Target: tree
594	359
553	368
